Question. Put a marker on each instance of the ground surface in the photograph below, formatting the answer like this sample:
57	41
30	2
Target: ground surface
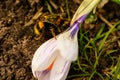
18	43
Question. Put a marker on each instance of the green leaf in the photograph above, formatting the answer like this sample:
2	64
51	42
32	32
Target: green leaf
116	1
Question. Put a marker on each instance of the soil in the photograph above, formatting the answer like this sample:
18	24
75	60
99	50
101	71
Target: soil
19	42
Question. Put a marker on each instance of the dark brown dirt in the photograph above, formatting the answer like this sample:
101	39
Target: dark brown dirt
18	43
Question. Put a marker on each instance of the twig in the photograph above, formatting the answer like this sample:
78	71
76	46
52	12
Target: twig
105	20
53	4
35	17
62	10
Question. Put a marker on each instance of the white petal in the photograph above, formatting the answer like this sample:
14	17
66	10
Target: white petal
68	47
44	55
60	69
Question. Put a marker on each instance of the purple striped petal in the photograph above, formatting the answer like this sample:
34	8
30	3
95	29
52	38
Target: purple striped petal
44	56
44	75
76	25
75	30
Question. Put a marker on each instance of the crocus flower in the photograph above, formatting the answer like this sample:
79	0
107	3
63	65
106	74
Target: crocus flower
53	58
